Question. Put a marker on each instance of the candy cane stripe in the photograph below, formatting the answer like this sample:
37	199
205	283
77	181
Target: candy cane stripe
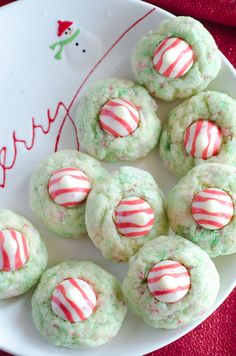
55	194
168	281
63	170
66	312
119	117
159	267
131	109
210	223
212	208
174	290
224	201
173	57
76	285
17	259
209	144
168	71
159	54
159	50
195	132
73	300
202	139
214	191
131	201
68	187
108	129
5	263
202	198
130	224
140	233
174	275
215	220
132	112
24	250
112	115
129	103
14	251
73	172
205	212
57	180
185	67
68	304
133	217
77	183
72	304
131	212
129	106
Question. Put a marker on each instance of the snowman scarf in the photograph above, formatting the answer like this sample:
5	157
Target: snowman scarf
61	44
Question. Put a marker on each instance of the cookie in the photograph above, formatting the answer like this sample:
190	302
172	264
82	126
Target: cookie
200	130
177	60
124	212
167	284
201	207
59	188
117	120
78	305
23	254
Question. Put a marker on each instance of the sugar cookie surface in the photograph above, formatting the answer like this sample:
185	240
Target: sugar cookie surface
176	60
77	304
23	254
167	284
201	207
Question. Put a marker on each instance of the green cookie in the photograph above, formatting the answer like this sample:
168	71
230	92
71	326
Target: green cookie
212	175
102	202
105	146
19	281
100	327
207	59
218	108
203	286
63	221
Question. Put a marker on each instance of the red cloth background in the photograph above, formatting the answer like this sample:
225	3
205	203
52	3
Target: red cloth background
215	336
218	16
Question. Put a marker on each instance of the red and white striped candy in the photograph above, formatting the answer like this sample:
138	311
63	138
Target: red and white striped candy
173	57
68	187
73	300
14	251
134	217
202	139
119	117
212	208
168	281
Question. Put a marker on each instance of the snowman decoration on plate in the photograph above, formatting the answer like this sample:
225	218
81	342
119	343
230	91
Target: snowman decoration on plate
75	43
68	33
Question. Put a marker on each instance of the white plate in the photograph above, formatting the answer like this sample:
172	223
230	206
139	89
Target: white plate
32	82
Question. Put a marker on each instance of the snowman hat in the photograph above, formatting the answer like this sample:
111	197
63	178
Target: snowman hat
63	26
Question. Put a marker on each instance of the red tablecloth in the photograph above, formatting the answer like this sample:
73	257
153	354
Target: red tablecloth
218	16
216	336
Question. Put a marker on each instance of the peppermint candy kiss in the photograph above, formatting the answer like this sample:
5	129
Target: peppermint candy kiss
202	139
173	57
68	187
212	208
73	300
134	217
14	251
168	281
119	117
